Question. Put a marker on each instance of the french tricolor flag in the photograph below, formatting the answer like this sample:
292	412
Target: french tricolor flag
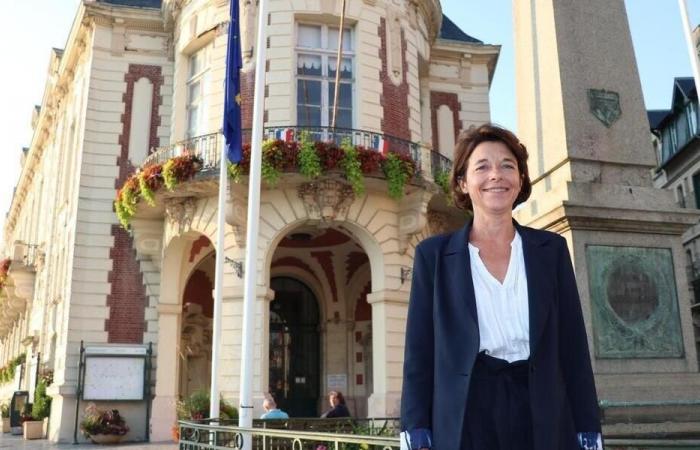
380	144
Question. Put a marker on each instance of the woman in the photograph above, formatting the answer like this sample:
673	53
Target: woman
338	406
496	351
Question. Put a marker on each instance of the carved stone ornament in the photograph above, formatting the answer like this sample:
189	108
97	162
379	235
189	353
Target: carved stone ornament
327	200
605	105
180	213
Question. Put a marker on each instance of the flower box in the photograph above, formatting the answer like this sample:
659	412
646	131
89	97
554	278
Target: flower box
33	429
106	439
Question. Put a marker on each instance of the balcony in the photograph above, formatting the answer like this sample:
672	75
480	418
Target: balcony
379	161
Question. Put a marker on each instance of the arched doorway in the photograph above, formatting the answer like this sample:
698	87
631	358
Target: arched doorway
295	367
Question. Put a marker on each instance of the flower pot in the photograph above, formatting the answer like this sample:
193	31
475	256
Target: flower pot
5	424
176	433
106	438
33	429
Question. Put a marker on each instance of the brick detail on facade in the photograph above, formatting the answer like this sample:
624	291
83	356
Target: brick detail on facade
450	99
127	299
135	73
394	99
198	291
353	262
363	310
290	261
197	246
247	94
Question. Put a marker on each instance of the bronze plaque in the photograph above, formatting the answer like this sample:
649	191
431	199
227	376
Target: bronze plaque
634	302
605	105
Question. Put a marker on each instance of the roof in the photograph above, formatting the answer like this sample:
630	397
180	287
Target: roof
134	3
687	86
656	116
449	30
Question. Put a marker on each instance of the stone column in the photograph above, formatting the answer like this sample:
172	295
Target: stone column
389	312
231	341
164	417
582	117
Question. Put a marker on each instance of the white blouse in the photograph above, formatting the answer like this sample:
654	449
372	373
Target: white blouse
504	316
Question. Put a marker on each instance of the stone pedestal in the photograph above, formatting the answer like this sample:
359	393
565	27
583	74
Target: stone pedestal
582	117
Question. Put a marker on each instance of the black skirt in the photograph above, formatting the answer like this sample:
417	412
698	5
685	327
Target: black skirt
498	413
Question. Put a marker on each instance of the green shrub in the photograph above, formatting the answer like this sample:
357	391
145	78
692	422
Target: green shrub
42	402
196	407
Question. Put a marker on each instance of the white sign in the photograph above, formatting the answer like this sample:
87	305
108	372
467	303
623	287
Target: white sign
109	350
113	378
337	382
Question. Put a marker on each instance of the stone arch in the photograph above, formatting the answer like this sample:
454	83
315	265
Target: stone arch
313	284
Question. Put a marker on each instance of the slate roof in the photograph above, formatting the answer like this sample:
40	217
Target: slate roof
656	116
137	3
686	85
449	30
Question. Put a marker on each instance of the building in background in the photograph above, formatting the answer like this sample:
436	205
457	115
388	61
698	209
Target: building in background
139	86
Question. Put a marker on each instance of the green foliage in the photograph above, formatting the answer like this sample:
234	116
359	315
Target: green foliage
5	410
234	172
270	173
123	214
442	179
396	176
309	161
145	190
196	407
169	178
7	373
352	166
42	402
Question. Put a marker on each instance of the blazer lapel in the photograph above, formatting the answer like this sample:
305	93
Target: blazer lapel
460	274
539	283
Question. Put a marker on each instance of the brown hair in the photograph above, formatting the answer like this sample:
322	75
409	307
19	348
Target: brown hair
467	141
338	395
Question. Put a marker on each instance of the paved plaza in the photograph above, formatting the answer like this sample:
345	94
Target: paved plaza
8	441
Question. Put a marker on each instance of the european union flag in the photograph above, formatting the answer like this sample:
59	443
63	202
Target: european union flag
232	99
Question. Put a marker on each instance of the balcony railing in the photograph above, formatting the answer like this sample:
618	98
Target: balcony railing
207	146
440	163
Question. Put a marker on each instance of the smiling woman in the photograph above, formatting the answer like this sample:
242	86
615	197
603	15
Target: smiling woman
524	358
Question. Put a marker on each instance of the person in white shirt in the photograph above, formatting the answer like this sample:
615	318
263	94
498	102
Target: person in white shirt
496	354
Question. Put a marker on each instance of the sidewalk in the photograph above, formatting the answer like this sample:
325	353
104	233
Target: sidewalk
8	441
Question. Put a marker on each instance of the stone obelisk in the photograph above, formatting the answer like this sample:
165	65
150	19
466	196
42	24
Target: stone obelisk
582	117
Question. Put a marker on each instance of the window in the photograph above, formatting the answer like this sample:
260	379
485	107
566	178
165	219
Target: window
317	47
197	89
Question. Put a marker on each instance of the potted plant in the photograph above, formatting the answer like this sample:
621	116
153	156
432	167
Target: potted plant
5	413
196	407
103	426
37	426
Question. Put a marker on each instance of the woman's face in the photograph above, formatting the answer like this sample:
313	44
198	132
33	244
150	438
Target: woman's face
492	179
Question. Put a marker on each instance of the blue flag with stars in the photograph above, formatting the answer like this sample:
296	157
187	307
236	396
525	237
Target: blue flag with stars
232	98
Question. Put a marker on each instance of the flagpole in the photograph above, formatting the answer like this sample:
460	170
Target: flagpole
691	46
338	60
245	417
218	285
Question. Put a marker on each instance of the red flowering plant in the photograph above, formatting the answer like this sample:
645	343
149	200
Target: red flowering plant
331	155
179	169
97	421
150	180
370	159
4	269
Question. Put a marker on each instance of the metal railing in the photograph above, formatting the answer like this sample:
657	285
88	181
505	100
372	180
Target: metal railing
206	435
439	163
206	147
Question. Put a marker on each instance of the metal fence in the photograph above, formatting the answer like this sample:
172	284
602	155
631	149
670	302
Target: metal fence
208	435
439	163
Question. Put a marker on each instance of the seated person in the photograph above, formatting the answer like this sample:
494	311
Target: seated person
271	410
338	407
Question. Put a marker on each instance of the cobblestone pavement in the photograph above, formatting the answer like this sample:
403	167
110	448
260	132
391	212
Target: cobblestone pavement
8	441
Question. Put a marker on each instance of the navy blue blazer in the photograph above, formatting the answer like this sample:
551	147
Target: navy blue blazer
440	353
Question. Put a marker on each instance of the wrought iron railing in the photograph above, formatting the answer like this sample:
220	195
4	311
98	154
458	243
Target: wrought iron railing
439	163
207	146
201	435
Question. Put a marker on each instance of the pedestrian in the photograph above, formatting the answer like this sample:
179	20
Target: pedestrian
271	410
496	353
338	406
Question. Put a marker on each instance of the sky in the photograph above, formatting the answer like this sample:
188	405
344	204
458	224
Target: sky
32	27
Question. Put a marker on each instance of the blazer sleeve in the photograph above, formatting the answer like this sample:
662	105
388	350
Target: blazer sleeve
573	348
417	391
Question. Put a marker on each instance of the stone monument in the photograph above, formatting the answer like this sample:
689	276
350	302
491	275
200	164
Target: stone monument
582	117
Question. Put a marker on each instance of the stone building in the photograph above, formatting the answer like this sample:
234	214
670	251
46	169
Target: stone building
139	83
